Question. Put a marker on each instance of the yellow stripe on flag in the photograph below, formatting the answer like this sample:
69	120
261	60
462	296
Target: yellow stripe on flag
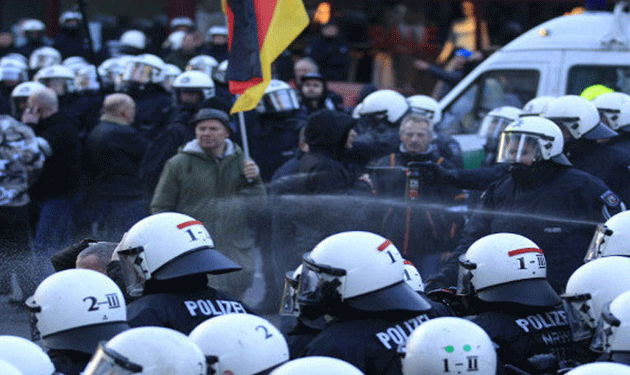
289	19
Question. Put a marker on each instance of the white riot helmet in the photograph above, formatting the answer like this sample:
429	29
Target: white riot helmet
590	287
148	351
599	368
228	342
613	331
193	81
58	78
33	25
170	73
20	94
43	57
185	22
536	106
496	120
134	39
531	139
220	75
8	369
578	116
412	277
217	30
111	71
144	69
70	15
341	268
75	309
203	63
427	106
316	366
87	79
25	355
506	267
175	40
356	112
16	56
278	97
611	238
12	73
166	246
14	62
387	105
75	63
615	108
449	345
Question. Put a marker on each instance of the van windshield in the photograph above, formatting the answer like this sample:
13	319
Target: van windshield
491	90
583	76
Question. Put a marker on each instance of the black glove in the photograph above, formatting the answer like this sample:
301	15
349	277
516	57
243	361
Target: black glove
429	172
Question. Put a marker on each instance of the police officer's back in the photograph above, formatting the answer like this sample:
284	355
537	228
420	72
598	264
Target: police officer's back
165	259
503	281
369	317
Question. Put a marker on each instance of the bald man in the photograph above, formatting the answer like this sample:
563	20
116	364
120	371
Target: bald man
114	149
55	193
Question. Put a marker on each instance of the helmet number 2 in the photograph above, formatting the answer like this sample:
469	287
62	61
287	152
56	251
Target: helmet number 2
265	330
111	300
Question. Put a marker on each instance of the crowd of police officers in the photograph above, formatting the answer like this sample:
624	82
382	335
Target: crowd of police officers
529	277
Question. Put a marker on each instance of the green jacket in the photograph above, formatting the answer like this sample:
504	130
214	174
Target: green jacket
212	191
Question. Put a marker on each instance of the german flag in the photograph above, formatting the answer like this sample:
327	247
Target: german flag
258	32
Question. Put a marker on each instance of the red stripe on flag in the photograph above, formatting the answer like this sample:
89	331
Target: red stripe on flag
384	245
188	223
264	15
408	262
524	251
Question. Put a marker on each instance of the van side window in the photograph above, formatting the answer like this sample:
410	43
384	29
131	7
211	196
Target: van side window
491	90
583	76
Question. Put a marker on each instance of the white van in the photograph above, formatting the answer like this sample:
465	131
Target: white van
562	56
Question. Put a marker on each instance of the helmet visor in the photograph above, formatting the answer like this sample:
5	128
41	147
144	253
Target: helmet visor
107	362
602	233
577	308
464	283
289	306
133	275
492	126
42	61
283	100
519	148
605	328
610	117
423	112
138	72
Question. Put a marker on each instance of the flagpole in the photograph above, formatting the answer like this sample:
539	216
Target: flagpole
241	124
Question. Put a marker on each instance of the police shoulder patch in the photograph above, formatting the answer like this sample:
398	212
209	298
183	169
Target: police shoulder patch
610	198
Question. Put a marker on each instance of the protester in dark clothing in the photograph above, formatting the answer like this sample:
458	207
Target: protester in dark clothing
330	51
70	41
114	150
314	95
327	134
57	187
421	232
34	32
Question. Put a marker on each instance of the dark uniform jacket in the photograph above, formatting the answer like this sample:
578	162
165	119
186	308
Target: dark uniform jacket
371	342
536	340
180	306
557	207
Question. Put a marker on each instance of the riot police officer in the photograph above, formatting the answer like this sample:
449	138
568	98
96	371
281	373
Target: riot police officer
502	278
165	259
356	280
